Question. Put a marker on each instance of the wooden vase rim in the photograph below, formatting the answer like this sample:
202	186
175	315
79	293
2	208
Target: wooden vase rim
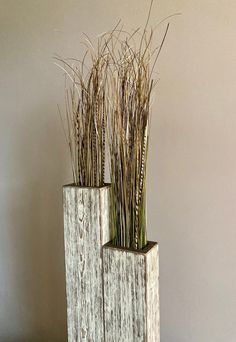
73	185
143	251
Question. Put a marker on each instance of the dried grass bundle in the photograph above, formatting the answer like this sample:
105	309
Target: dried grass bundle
86	114
112	96
131	85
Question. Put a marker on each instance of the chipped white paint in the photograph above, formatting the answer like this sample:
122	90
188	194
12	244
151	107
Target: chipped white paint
131	294
86	229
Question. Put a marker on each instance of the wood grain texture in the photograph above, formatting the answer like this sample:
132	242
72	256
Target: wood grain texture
131	294
86	229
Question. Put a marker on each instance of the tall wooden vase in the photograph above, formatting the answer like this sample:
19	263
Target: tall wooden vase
131	294
86	230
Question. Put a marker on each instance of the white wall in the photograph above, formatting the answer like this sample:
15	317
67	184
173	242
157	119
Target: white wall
192	165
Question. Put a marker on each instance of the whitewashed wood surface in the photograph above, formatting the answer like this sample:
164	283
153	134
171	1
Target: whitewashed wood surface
131	294
86	229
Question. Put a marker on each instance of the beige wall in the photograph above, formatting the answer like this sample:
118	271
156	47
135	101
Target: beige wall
192	165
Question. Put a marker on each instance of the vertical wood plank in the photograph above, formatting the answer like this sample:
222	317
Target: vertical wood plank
131	294
152	295
86	229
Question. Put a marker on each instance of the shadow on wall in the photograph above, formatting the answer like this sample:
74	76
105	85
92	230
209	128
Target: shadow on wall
34	284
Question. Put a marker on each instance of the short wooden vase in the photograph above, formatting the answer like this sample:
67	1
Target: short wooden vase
131	294
86	230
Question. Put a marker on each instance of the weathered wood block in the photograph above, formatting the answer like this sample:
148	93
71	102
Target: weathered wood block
131	294
86	230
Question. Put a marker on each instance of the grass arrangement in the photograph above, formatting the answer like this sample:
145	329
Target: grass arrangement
113	97
131	85
86	114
